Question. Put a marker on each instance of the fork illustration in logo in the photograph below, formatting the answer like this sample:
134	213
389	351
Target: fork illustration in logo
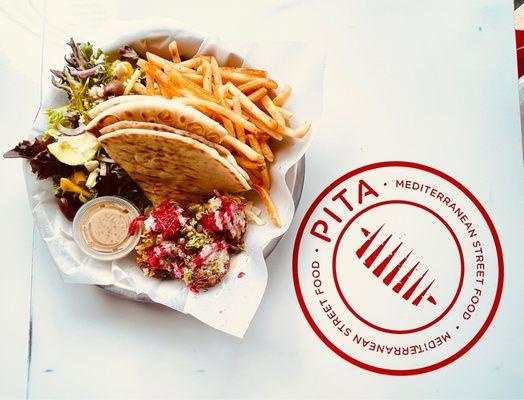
399	270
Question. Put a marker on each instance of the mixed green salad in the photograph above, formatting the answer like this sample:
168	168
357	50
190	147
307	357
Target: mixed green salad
73	159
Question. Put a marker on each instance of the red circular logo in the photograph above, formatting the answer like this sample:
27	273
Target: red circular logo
398	268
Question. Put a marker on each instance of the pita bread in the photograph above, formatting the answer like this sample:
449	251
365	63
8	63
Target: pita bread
114	101
164	128
169	166
163	111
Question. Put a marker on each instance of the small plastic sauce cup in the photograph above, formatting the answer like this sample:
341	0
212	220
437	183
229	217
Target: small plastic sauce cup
101	226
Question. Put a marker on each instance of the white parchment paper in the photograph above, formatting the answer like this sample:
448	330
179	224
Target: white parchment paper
231	305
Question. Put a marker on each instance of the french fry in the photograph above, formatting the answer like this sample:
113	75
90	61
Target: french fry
264	172
229	126
140	89
286	131
247	164
285	113
256	84
237	77
257	94
184	70
222	91
266	150
196	78
251	107
298	133
217	79
248	71
142	64
173	49
268	203
219	109
266	180
263	128
150	83
206	67
254	97
282	96
261	136
301	131
237	109
243	149
255	177
158	61
163	63
253	142
192	63
273	111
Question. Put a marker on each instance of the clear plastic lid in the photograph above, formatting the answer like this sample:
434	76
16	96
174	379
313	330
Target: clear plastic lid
100	228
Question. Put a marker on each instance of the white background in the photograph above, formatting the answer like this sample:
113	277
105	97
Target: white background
424	81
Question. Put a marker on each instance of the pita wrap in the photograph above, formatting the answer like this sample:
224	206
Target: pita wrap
163	111
164	128
169	166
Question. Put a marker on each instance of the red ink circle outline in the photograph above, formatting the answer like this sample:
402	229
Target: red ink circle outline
462	268
492	230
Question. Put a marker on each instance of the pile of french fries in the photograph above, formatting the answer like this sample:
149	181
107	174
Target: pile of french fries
243	100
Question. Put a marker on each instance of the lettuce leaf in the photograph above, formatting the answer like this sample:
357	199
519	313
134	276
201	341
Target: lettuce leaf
85	68
42	162
56	116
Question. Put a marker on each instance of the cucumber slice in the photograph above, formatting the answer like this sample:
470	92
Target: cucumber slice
75	150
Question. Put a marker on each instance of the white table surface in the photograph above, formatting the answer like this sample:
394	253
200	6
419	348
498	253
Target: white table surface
425	81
